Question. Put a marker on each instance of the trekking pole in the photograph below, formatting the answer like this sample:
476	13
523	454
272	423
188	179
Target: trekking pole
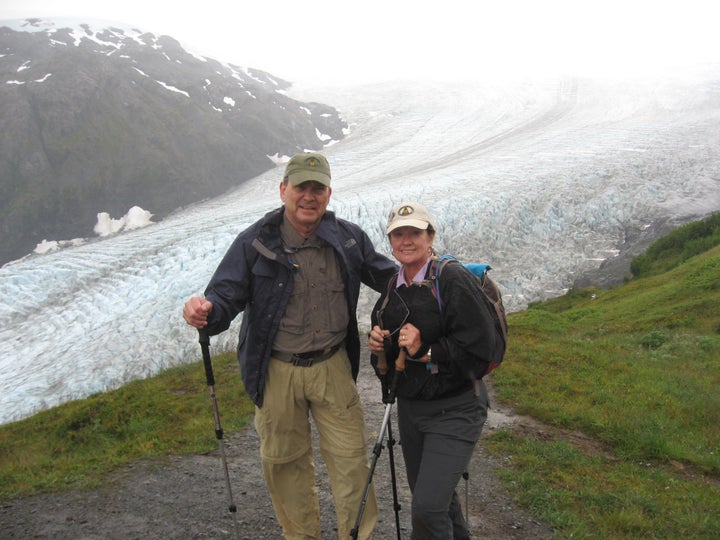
205	346
466	475
399	368
377	449
391	455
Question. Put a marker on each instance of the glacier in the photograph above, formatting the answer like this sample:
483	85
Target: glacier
543	179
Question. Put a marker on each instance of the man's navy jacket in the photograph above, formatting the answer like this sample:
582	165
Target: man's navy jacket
255	277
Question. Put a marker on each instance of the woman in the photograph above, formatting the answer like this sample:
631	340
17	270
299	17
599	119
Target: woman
442	406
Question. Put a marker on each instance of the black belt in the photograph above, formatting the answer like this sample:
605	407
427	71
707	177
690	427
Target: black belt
306	359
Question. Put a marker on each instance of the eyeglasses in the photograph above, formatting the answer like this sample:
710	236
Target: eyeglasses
405	309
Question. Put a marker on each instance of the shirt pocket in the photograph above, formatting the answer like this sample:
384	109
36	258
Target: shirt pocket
335	306
293	320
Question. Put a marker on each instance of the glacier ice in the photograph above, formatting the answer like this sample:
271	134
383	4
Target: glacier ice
542	179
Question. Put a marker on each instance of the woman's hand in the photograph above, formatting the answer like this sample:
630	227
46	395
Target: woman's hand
410	338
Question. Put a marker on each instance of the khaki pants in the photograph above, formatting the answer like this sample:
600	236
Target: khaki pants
328	392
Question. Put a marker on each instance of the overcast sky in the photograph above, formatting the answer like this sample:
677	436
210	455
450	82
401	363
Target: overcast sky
370	40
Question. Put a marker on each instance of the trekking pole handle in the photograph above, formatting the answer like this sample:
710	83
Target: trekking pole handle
382	365
400	362
205	346
399	367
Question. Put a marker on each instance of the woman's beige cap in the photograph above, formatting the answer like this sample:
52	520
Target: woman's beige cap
409	214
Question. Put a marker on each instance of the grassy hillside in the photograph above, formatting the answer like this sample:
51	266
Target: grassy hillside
76	444
685	242
637	368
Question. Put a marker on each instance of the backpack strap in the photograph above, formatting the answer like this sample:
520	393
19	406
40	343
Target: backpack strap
436	266
392	282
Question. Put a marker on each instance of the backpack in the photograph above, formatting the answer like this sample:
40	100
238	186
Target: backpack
492	294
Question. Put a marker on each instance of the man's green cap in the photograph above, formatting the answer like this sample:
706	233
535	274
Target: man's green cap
306	167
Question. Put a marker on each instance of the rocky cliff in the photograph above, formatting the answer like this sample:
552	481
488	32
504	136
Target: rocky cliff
99	118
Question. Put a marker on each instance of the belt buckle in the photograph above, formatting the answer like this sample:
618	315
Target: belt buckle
302	362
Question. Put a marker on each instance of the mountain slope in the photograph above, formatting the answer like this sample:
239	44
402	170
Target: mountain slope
99	119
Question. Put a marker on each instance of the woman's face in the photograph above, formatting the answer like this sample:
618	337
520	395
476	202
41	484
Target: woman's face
411	246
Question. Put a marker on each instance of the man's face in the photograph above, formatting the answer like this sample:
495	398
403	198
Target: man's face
305	204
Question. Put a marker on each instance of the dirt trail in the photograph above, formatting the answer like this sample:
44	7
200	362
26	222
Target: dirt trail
184	497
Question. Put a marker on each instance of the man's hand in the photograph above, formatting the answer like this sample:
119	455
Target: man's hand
375	343
375	339
195	311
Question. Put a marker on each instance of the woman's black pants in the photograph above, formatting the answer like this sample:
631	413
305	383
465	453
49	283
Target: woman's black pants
437	440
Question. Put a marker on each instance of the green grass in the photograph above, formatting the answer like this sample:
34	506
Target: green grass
685	242
637	368
589	495
77	444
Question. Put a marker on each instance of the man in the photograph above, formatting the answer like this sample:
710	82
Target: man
296	275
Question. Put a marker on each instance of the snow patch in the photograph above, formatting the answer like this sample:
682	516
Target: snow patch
172	88
134	219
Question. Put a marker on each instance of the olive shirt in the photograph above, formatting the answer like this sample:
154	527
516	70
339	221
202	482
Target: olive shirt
317	316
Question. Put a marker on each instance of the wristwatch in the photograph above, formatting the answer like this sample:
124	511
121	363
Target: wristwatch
430	366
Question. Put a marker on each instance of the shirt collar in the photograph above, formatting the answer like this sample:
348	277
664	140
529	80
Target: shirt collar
292	239
417	278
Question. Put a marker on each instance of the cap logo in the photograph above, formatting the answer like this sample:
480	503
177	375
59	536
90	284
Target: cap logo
312	162
405	210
